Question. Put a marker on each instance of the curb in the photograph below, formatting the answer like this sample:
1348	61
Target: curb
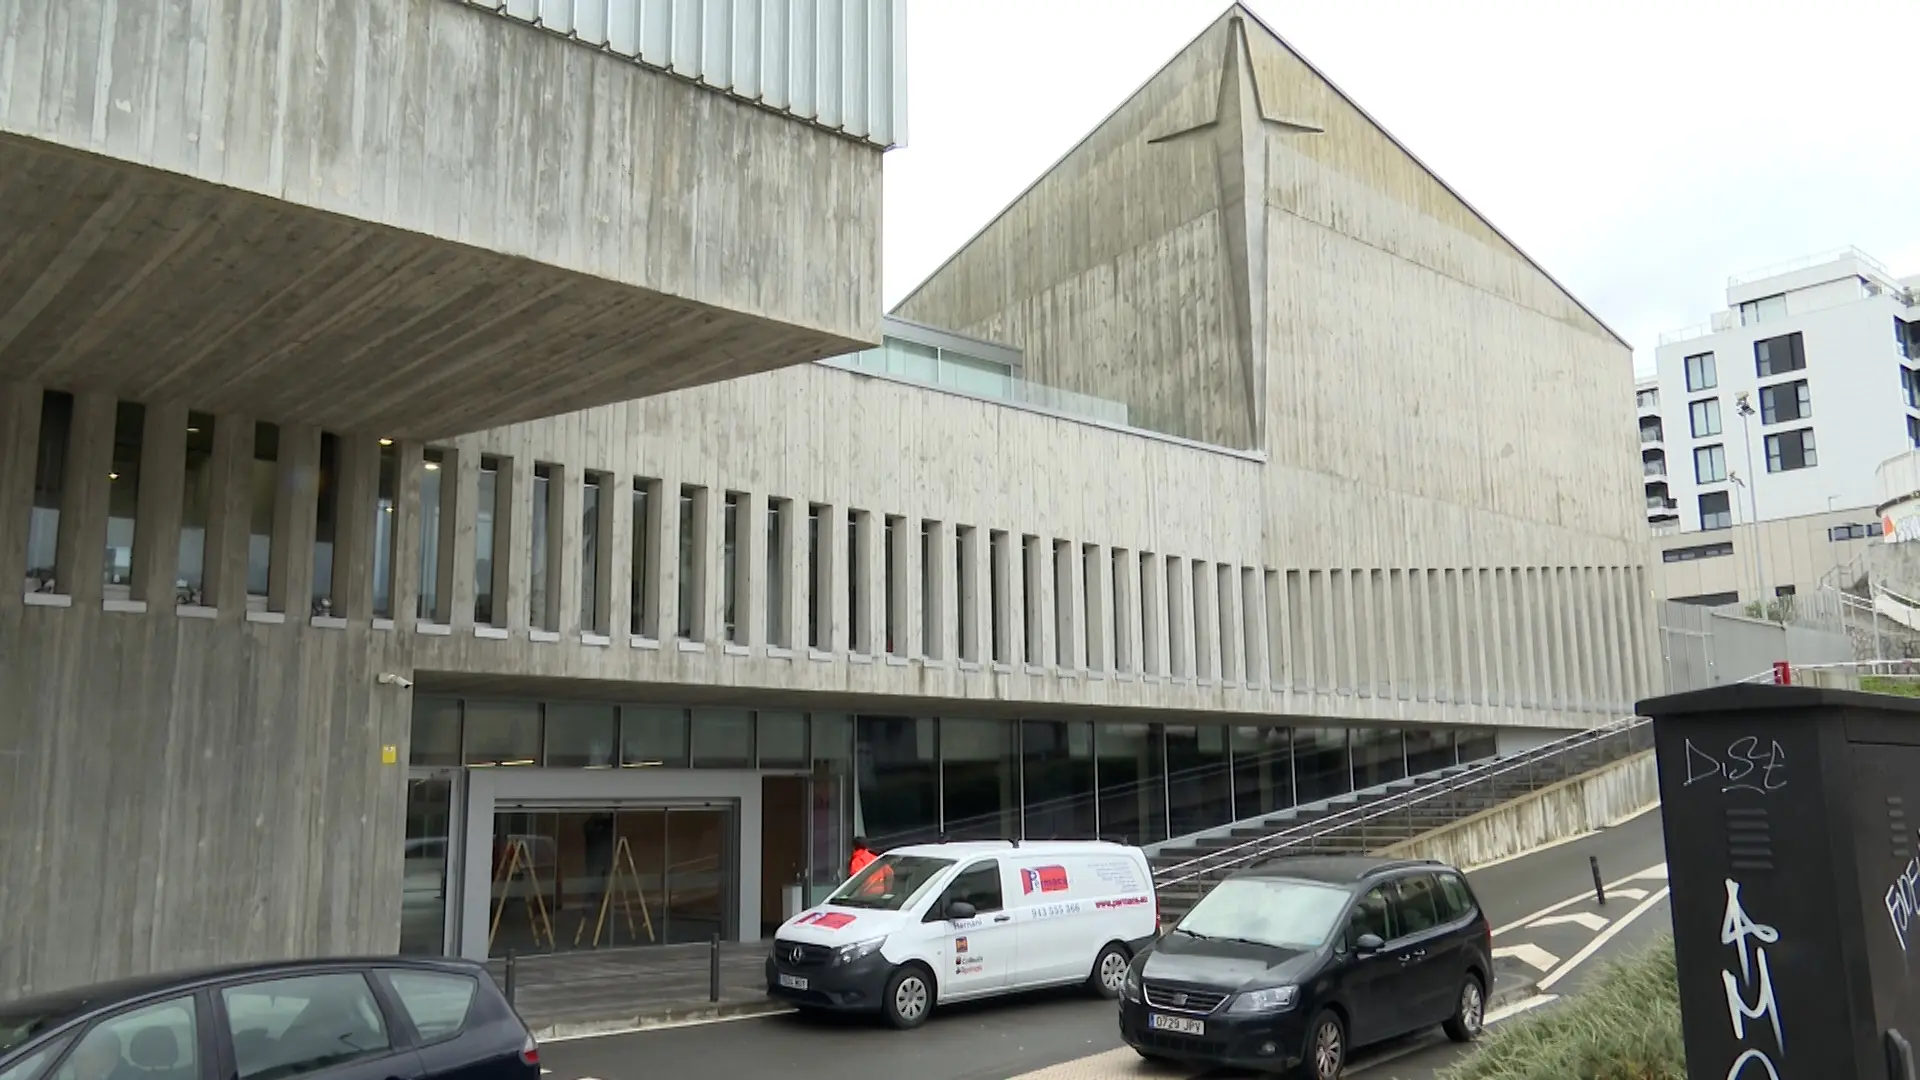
665	1018
1519	991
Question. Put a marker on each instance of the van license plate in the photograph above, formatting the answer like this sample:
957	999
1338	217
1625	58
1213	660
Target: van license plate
793	982
1179	1025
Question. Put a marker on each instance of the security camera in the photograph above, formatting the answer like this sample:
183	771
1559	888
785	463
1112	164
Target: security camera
390	679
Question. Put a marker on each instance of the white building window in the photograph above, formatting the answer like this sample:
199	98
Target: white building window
1791	401
1701	373
1765	309
1716	510
1706	417
1791	450
1710	464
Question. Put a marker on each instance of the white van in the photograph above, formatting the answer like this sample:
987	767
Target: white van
957	921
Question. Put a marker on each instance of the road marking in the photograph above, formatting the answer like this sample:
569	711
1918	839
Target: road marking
1578	918
1627	892
1505	1012
1555	909
1531	955
1600	940
636	1030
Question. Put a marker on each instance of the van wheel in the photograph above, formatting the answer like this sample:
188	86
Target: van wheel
909	998
1469	1012
1109	972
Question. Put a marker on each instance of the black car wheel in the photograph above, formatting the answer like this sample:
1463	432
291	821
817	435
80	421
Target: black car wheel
1469	1012
909	997
1109	972
1326	1047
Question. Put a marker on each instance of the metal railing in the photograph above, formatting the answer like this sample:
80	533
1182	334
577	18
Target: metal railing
1263	847
1808	262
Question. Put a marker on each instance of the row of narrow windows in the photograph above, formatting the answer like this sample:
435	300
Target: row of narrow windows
917	588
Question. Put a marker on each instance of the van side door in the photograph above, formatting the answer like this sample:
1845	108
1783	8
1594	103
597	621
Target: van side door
1051	905
973	956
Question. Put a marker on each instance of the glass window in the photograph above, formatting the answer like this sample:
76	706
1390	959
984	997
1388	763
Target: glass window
981	772
1716	510
292	1027
897	797
1455	901
1701	373
1793	401
1415	895
1199	779
782	740
890	882
1322	767
978	885
590	554
731	507
123	491
722	739
486	525
653	737
157	1042
19	1023
432	500
1262	770
436	732
1057	779
436	1003
1133	793
35	1064
640	564
1379	757
195	510
776	574
1475	744
1273	911
688	568
833	796
1791	450
1710	464
1374	915
1429	751
911	360
503	732
1765	309
1779	355
1705	416
581	736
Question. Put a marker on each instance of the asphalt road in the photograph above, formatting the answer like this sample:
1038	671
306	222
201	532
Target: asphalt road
1014	1036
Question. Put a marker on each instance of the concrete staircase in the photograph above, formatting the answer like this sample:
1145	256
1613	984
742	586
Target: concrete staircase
1185	868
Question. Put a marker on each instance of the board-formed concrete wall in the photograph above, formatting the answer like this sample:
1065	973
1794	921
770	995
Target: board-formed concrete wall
1573	807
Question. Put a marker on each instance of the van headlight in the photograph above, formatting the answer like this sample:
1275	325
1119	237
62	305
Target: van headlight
847	954
1272	999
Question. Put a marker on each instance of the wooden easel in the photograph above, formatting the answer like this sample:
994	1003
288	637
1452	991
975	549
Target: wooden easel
518	857
622	861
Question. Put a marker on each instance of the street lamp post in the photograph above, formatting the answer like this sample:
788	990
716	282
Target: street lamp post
1745	408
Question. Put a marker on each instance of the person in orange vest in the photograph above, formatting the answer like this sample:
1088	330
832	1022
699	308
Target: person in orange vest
863	857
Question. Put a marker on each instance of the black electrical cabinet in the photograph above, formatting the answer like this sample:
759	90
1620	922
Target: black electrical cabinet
1792	819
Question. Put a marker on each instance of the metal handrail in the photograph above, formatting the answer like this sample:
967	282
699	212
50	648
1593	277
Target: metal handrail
1315	829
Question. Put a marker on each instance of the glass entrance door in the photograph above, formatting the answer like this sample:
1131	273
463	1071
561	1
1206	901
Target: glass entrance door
427	873
582	878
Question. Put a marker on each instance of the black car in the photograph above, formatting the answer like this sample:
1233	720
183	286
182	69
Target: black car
386	1018
1295	962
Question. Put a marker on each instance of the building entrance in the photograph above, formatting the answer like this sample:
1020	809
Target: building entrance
568	878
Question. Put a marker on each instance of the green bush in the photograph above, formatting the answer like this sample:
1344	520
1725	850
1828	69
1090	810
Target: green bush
1886	684
1624	1025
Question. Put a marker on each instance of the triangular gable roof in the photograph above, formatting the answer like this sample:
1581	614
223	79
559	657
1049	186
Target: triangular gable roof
1242	10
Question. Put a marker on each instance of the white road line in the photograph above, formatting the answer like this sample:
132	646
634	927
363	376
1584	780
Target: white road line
632	1030
1555	909
1531	955
1626	892
1505	1012
1601	940
1578	918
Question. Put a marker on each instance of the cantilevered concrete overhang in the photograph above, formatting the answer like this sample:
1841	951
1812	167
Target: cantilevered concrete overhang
405	215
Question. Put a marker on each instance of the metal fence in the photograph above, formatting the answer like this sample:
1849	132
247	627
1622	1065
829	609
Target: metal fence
1709	646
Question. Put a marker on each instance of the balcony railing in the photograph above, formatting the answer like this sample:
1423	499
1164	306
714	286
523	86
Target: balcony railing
1654	468
1655	502
1651	435
961	374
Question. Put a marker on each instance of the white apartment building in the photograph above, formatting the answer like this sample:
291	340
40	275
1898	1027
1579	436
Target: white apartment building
1777	410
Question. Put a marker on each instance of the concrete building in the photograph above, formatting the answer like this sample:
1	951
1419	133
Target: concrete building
1777	410
1137	519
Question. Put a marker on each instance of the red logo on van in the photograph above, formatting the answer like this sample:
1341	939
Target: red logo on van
826	920
1043	879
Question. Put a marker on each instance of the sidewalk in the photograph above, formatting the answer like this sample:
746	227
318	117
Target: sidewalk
591	993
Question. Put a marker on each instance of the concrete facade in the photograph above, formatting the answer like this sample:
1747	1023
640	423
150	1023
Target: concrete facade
1265	539
405	216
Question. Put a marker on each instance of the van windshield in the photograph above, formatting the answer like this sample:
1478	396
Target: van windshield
889	883
1268	911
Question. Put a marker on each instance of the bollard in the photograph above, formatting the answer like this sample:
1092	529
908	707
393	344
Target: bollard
1899	1056
512	964
1599	890
713	971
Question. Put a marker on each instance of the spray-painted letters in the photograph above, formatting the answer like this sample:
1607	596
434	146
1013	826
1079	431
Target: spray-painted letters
1746	766
1901	900
1755	983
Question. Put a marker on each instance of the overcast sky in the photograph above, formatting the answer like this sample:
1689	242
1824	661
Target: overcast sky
1641	150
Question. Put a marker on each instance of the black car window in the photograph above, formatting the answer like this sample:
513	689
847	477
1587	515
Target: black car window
1457	901
436	1001
1372	915
153	1042
1416	897
36	1064
291	1027
978	885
